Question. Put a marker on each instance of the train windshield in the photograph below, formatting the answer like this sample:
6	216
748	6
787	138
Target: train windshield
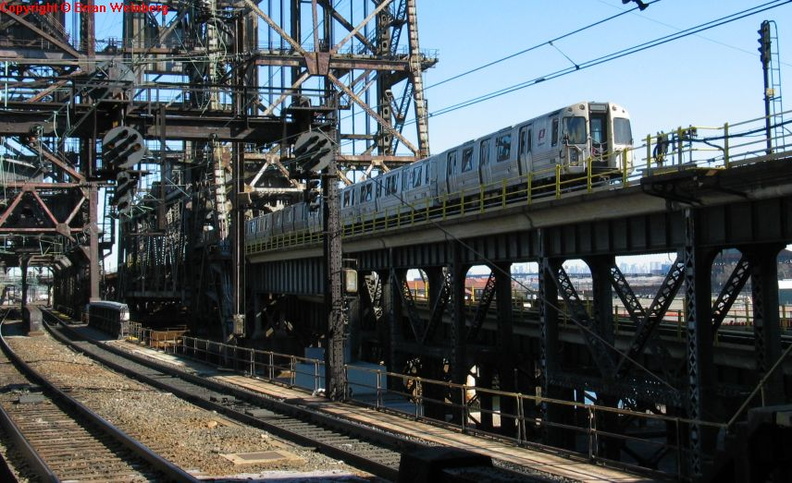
622	133
575	129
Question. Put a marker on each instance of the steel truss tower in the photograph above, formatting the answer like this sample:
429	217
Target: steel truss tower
219	90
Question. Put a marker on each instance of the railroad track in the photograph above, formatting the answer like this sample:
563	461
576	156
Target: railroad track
367	452
63	440
369	449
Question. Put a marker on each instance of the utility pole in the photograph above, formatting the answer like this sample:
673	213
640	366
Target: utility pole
765	56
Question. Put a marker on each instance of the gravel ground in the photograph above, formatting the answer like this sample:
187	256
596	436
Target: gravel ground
196	440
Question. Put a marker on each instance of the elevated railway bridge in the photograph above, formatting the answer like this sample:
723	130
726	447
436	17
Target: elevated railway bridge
707	194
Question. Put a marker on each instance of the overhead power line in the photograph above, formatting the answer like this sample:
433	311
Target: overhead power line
529	49
615	55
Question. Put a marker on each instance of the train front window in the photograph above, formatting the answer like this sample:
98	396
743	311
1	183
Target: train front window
622	132
575	129
597	129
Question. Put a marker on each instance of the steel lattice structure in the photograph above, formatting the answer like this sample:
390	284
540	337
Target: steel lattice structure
219	90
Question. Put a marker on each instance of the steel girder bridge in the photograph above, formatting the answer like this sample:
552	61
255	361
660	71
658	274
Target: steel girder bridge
569	348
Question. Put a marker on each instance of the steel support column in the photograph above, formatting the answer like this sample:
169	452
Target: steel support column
767	322
603	300
93	243
507	362
550	358
392	307
602	268
459	364
700	367
439	296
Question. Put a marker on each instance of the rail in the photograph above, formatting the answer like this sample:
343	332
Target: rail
68	403
720	147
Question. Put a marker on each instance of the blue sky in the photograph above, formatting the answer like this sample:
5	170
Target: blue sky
704	79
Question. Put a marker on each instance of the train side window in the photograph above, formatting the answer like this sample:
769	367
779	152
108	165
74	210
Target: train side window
452	161
416	177
346	200
503	145
525	140
484	152
554	139
467	159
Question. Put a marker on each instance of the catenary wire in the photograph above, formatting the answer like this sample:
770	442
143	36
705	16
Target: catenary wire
615	55
529	49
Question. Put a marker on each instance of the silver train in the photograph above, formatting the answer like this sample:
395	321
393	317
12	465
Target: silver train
557	144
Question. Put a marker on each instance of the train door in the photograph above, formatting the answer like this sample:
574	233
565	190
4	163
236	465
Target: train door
264	227
524	154
504	165
347	210
389	198
366	201
430	178
545	154
315	218
598	128
575	140
448	167
288	217
277	222
418	189
468	177
251	229
300	222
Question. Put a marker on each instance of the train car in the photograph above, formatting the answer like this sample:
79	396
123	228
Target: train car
561	142
110	317
572	142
